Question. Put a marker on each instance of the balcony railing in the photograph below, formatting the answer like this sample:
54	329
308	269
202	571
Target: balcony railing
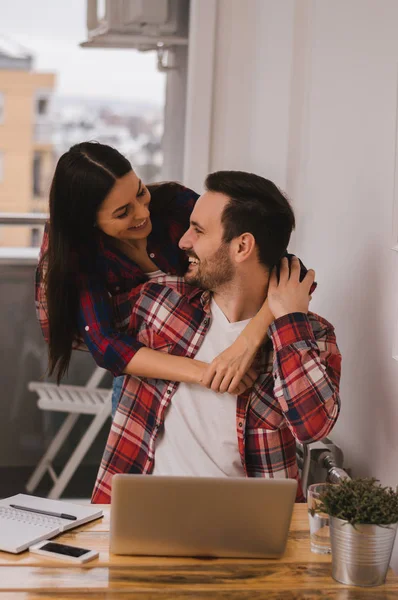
23	218
26	431
26	255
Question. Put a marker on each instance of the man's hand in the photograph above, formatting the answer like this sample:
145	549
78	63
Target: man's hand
230	371
289	295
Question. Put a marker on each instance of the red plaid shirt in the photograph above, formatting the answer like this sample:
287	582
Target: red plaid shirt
115	274
296	396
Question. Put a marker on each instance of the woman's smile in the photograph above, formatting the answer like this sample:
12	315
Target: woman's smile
140	225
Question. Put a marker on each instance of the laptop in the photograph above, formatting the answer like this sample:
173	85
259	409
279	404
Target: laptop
25	520
200	516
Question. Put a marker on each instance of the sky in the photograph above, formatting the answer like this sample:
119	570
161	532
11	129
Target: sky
52	30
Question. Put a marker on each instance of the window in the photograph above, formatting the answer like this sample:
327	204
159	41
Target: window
42	106
35	236
37	169
45	113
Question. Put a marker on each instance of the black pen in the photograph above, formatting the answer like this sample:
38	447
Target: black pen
45	512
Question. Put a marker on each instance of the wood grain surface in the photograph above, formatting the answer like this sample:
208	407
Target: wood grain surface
299	575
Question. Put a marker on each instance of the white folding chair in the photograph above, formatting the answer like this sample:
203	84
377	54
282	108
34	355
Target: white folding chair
75	400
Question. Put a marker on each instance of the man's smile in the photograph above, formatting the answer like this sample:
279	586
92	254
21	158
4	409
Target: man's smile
193	262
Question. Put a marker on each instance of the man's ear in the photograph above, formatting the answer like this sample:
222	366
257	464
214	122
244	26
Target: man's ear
243	247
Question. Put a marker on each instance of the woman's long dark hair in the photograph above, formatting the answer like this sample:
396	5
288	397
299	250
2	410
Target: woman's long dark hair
83	178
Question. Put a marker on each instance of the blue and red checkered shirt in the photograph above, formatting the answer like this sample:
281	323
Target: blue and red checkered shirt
296	396
171	207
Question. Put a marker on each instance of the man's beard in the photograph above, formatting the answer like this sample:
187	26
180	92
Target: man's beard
212	272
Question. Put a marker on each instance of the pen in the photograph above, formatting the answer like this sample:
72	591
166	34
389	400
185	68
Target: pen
45	512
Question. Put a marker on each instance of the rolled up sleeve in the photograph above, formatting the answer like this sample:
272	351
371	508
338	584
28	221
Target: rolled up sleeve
110	346
306	370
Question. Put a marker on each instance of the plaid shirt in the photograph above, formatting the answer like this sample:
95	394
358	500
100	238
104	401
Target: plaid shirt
296	395
115	274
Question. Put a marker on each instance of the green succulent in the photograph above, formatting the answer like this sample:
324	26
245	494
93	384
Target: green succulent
360	500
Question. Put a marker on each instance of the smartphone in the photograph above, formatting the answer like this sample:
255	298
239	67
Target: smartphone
60	551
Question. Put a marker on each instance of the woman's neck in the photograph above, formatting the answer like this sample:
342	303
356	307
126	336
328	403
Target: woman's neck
136	250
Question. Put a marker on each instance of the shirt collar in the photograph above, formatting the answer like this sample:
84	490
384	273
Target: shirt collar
205	298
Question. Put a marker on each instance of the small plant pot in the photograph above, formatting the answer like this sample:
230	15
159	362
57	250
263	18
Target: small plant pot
361	555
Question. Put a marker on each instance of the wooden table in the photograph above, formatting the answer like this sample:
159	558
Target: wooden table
299	575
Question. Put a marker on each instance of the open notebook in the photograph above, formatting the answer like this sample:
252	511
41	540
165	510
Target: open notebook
20	528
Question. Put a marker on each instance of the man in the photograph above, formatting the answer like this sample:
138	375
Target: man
239	230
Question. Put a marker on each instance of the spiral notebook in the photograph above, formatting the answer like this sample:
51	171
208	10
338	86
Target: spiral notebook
26	520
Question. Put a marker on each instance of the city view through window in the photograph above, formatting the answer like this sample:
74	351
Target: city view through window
53	94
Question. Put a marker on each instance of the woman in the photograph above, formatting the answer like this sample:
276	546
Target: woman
107	233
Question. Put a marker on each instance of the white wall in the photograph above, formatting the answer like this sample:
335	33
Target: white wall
344	204
251	49
305	93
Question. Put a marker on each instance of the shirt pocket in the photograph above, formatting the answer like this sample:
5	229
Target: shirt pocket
271	453
154	340
264	410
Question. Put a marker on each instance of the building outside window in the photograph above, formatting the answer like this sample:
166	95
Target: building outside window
21	85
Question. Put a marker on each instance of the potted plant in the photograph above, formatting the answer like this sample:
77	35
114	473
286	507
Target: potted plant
363	524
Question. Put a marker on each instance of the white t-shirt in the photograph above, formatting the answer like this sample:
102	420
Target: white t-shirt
200	434
155	274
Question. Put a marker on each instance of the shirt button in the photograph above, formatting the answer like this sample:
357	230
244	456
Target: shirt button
152	255
240	424
206	322
87	328
168	392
